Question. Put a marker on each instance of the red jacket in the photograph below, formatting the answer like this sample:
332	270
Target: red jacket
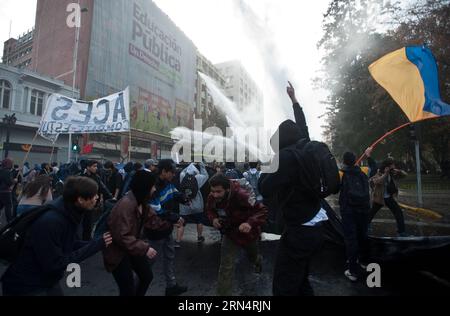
239	209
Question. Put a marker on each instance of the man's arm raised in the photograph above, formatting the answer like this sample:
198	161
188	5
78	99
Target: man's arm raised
300	119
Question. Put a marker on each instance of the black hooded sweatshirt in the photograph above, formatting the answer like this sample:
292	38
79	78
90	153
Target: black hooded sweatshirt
49	247
283	187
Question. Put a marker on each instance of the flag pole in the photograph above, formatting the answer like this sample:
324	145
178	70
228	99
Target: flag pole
27	155
381	139
51	156
29	150
392	132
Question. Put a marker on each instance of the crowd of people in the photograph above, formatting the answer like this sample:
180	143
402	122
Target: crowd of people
145	208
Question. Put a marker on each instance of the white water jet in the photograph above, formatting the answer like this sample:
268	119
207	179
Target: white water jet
223	103
230	145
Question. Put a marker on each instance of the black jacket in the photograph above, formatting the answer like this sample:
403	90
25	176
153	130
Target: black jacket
102	189
113	182
6	180
282	188
49	248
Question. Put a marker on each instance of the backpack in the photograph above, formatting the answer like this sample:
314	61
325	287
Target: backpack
253	179
318	170
189	186
12	236
357	188
232	174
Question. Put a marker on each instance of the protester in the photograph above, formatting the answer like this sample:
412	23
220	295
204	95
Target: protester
384	193
32	174
239	219
129	173
231	172
35	193
17	188
26	169
113	180
46	170
54	168
104	194
302	212
7	183
51	245
354	202
194	211
151	165
129	254
163	203
252	175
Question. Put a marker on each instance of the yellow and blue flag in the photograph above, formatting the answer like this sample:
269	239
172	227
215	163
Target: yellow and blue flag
410	75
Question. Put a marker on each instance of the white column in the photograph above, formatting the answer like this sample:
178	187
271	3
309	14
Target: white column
27	107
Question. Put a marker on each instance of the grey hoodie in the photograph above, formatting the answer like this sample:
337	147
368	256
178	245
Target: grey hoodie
197	203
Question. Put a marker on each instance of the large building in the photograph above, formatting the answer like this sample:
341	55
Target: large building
123	43
205	108
24	93
241	88
18	52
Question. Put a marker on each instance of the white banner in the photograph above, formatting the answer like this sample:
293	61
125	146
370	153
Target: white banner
64	115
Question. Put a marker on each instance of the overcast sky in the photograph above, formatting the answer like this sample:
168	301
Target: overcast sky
275	40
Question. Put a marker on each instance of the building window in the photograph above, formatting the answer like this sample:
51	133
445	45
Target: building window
37	102
5	94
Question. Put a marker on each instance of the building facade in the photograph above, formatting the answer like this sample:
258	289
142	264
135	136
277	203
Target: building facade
18	52
205	108
25	93
123	44
242	89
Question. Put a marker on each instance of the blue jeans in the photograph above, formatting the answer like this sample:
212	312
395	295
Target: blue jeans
166	247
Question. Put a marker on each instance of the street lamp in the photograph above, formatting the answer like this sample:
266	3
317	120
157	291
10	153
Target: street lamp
75	64
8	120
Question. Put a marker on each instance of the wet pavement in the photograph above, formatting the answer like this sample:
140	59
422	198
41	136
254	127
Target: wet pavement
197	267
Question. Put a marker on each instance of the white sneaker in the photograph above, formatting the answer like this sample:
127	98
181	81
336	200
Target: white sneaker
350	276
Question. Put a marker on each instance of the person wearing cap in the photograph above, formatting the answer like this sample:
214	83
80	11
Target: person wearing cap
151	165
164	203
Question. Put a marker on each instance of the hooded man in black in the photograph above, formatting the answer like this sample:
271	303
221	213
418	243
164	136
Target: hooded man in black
354	203
301	211
51	244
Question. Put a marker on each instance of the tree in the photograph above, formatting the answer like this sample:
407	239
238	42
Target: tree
357	33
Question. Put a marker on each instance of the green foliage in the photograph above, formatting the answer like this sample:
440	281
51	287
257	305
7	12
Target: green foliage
357	33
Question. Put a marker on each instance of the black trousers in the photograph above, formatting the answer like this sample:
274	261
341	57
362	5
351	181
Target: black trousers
355	226
392	204
86	223
295	251
124	276
6	201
